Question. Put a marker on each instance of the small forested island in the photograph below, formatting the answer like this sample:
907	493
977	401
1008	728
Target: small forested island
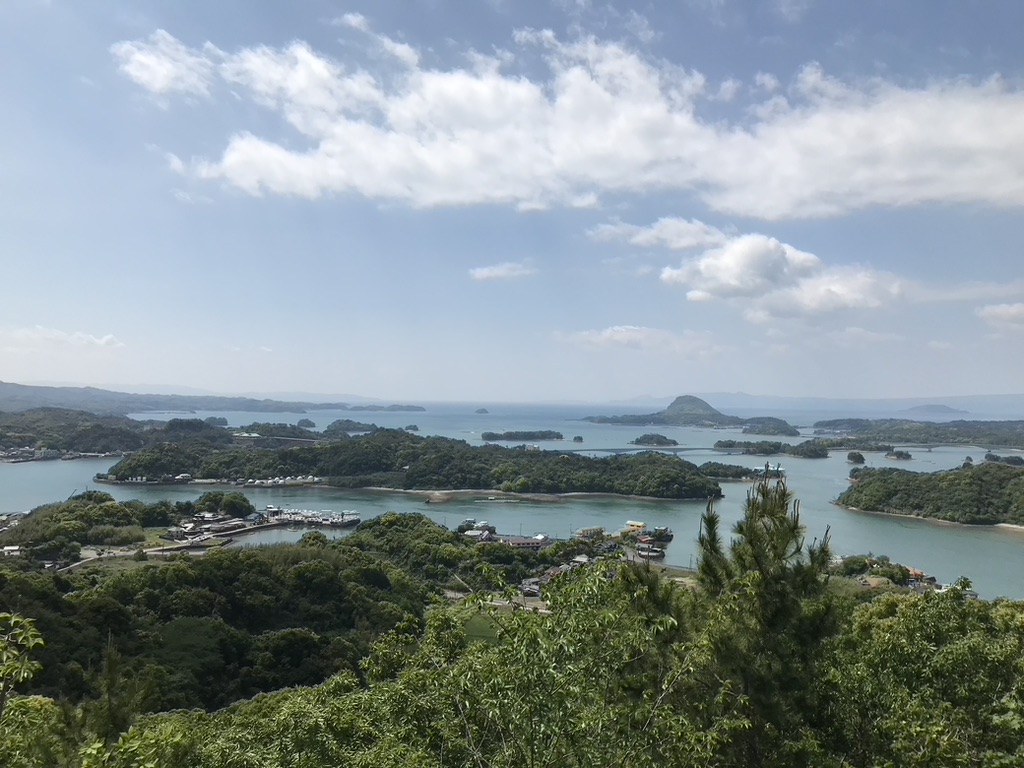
306	424
855	457
977	494
653	439
391	458
808	449
539	434
481	410
934	408
899	455
690	411
412	428
1009	434
578	439
719	471
220	421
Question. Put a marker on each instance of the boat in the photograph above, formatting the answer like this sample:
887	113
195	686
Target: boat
649	552
663	534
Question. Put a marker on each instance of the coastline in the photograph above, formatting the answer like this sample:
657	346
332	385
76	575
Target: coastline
932	520
432	496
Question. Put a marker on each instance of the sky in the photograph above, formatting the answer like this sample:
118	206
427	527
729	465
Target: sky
519	200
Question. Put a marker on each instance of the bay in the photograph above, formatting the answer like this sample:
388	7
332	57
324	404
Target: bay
993	558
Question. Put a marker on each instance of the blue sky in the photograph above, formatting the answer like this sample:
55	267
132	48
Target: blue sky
498	200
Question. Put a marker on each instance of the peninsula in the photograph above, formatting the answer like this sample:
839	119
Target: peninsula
984	494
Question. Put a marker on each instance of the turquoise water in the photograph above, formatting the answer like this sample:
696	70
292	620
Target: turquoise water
993	558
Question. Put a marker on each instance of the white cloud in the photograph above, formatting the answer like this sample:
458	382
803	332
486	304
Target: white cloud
37	337
854	336
746	266
508	270
355	21
766	82
1008	316
641	27
667	232
642	338
174	163
728	90
162	64
939	345
601	117
772	278
792	10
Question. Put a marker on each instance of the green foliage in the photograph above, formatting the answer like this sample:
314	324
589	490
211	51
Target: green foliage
808	449
855	457
653	439
538	434
396	459
906	431
984	494
769	425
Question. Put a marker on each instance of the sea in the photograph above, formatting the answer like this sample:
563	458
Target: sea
991	557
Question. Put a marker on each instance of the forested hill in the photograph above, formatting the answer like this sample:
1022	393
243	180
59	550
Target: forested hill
396	459
22	397
689	411
984	433
765	658
984	494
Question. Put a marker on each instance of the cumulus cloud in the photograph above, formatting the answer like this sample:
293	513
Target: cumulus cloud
508	270
1008	316
772	278
37	336
595	117
748	265
642	338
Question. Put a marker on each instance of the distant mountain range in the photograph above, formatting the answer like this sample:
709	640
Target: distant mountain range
23	397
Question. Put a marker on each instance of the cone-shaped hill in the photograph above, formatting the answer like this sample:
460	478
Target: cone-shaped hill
690	411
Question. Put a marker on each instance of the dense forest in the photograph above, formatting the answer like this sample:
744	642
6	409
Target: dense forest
654	440
396	459
808	449
984	433
983	494
764	662
536	434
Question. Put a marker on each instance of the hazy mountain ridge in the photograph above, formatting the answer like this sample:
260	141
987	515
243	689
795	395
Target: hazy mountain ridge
23	397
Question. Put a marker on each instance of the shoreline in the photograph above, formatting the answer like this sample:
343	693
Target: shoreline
433	496
931	520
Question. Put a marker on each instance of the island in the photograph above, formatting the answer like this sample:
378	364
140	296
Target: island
1008	434
578	439
855	457
934	408
305	424
653	439
412	428
513	436
808	449
481	410
899	455
690	411
392	458
981	494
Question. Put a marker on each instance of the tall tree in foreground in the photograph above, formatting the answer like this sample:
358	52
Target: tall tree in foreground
768	611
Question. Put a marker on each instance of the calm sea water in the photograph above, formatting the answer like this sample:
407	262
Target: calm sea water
993	558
